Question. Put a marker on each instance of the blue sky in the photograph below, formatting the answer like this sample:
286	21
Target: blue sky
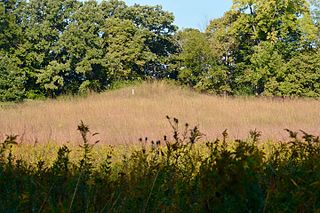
189	13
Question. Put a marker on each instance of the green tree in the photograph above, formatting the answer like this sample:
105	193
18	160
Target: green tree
315	11
254	33
223	40
82	45
126	52
286	23
261	77
301	76
315	15
195	56
159	39
198	66
10	30
12	78
43	23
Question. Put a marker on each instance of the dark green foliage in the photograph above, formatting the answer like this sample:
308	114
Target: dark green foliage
257	40
70	47
12	79
10	28
198	67
231	179
301	76
168	176
54	47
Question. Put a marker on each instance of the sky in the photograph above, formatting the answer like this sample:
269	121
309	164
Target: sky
190	13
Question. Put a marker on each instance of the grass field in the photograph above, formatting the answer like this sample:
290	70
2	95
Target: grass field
175	175
122	118
167	176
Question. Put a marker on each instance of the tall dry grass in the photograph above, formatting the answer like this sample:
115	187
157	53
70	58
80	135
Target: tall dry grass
122	118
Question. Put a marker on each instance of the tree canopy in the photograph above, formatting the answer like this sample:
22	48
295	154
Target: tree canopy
258	47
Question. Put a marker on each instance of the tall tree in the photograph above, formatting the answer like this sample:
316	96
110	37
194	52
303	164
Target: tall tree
250	28
198	66
126	53
12	78
160	37
223	39
44	22
315	15
82	44
287	23
10	30
301	76
264	73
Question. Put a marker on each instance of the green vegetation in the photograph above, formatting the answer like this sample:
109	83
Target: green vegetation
52	48
259	47
178	175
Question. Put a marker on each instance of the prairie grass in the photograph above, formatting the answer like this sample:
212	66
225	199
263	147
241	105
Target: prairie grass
40	172
122	118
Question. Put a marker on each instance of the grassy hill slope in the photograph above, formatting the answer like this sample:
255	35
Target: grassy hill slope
121	117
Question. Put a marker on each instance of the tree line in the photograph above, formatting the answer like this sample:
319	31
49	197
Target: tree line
259	47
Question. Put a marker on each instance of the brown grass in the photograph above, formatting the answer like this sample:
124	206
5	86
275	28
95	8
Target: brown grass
122	118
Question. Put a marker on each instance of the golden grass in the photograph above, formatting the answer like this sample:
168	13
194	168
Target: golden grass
122	118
